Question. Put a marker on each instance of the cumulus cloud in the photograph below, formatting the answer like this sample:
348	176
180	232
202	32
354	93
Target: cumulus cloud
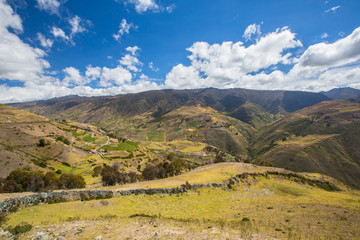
45	42
253	29
50	6
182	77
333	9
322	56
114	76
18	60
225	63
142	6
133	50
131	63
76	26
124	28
93	73
59	33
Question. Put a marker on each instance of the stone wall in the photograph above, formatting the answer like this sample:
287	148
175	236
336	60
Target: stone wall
73	195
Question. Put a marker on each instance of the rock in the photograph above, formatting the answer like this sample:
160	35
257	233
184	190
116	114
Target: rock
99	237
41	236
156	236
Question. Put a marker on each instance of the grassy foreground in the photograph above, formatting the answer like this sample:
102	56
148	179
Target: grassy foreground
257	208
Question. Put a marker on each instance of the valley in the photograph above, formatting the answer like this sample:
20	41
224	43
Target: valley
249	165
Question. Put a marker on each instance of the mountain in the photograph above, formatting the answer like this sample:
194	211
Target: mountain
254	107
30	140
322	138
342	93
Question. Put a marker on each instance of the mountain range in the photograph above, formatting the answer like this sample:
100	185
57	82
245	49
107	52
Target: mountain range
300	131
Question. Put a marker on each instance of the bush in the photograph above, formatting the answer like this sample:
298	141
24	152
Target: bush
150	172
41	143
219	159
9	186
21	228
97	169
71	181
63	139
268	164
110	176
51	181
58	171
27	180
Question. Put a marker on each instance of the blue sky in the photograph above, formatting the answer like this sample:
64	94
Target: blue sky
53	48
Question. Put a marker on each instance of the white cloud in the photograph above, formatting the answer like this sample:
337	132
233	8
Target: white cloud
18	60
131	63
124	28
133	49
170	8
45	42
76	26
151	66
59	33
73	77
333	9
322	56
142	6
114	76
93	73
253	29
50	6
182	77
324	35
228	62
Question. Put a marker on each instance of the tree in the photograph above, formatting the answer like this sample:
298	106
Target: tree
51	181
41	143
110	176
150	172
71	181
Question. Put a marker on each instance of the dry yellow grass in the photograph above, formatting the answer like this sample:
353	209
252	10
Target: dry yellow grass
275	208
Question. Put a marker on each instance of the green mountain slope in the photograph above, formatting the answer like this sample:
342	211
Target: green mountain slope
97	109
322	138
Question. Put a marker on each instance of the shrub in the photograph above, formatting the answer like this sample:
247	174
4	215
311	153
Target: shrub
219	159
58	171
110	176
41	143
9	186
63	139
21	228
176	167
97	169
150	172
71	181
27	180
268	164
51	181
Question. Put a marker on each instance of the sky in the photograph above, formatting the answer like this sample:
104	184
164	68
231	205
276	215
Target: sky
54	48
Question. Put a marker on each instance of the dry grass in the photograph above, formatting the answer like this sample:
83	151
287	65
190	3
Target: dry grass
306	140
275	208
181	146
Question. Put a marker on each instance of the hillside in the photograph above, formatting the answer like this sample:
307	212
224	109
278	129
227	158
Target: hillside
342	93
31	141
20	147
323	138
250	106
262	203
